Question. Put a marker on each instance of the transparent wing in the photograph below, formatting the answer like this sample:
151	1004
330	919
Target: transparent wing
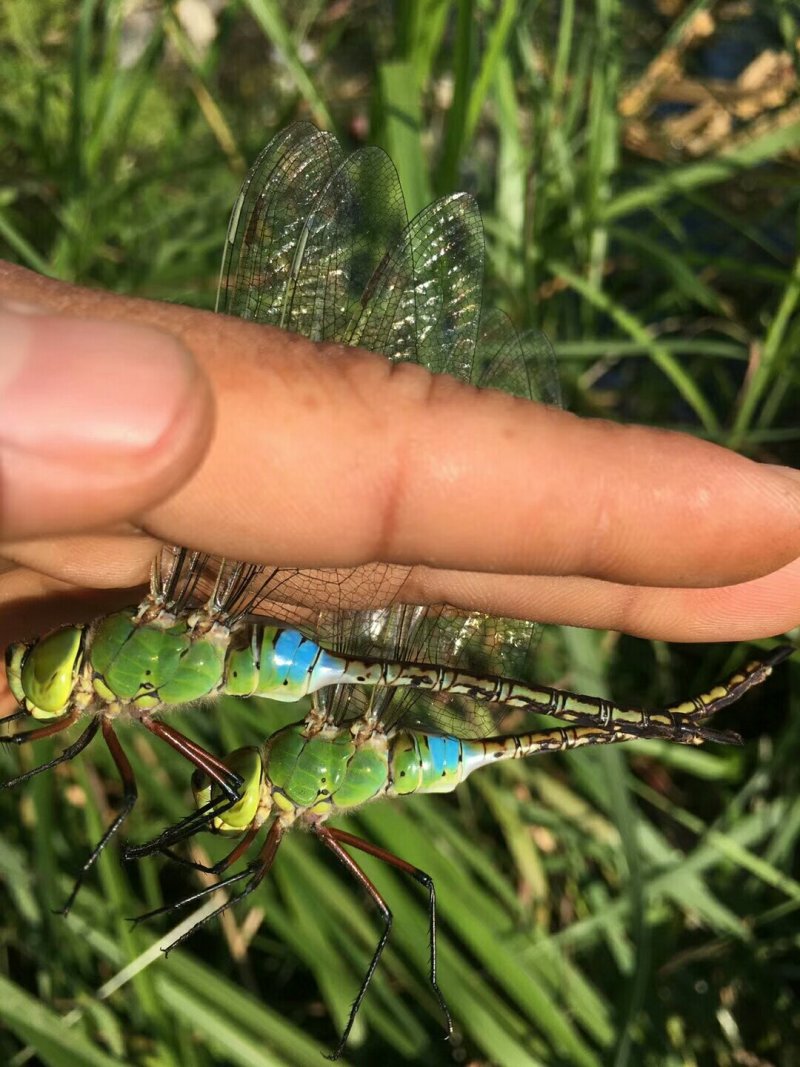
523	365
267	220
320	245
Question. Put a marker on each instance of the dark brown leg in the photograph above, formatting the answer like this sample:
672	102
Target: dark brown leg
216	770
218	868
256	870
70	752
425	880
187	827
331	839
129	795
56	727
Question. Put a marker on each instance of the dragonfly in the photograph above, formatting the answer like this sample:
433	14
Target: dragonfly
359	744
318	244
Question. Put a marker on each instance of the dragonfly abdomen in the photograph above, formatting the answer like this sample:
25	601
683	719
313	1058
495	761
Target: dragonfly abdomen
425	763
284	664
430	763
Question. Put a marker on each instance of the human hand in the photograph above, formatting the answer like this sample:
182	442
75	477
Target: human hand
142	422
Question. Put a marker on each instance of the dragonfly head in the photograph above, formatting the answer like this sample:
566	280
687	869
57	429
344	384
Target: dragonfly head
247	763
42	673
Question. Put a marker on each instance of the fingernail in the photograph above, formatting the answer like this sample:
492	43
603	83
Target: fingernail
87	386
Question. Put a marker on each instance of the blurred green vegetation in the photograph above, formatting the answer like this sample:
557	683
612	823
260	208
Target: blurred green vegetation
637	166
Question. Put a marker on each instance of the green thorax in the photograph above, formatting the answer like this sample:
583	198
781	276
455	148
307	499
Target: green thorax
325	771
148	664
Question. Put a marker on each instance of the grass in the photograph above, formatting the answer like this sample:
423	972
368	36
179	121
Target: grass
606	908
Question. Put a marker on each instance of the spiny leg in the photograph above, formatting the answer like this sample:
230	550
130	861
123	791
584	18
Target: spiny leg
344	838
167	909
186	827
69	753
257	870
329	840
221	865
217	868
228	781
129	796
55	727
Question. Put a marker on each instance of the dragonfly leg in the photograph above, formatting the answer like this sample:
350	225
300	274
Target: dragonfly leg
424	879
70	752
207	890
229	782
221	865
179	831
129	797
24	736
256	870
15	716
329	839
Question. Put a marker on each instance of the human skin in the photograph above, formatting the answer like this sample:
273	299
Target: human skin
125	422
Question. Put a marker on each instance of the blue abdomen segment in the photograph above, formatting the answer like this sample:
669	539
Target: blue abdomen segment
281	664
441	767
428	763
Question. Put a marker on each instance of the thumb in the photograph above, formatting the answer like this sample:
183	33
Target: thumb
98	421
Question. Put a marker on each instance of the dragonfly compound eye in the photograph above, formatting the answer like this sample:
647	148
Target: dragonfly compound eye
42	675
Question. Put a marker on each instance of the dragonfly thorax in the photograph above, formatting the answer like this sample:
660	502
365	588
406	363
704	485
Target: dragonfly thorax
312	775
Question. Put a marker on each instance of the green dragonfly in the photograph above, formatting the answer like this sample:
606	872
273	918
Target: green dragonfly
360	743
319	244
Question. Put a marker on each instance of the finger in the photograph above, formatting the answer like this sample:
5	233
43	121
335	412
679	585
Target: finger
33	602
114	559
337	458
325	456
763	607
98	420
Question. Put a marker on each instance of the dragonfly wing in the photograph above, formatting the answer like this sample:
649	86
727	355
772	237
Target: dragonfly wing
523	365
268	219
356	216
422	304
320	245
319	599
411	709
410	291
